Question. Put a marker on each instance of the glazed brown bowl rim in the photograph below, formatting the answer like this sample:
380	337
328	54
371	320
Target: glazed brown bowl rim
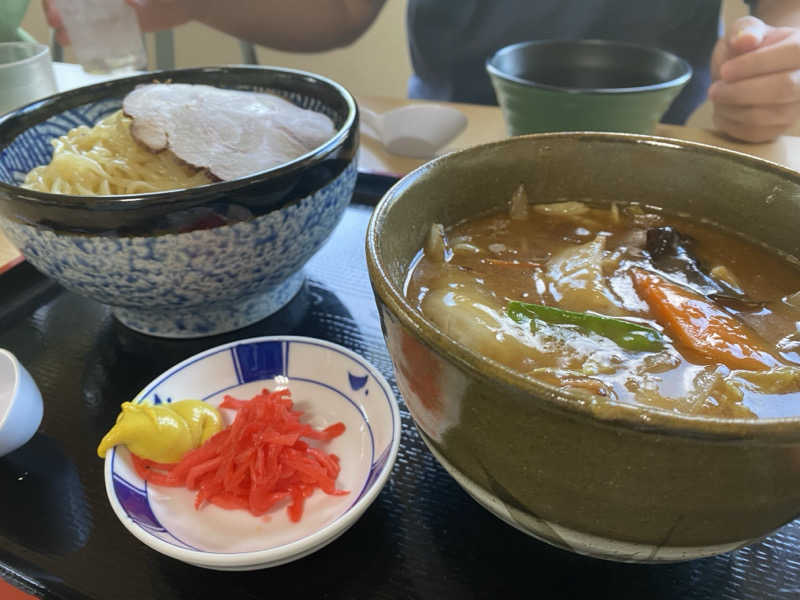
770	430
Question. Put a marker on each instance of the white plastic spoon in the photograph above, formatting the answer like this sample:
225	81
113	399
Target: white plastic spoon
418	130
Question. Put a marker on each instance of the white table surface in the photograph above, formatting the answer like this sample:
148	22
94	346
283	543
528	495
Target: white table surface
69	76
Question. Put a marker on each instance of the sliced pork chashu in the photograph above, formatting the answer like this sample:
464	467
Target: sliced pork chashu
230	133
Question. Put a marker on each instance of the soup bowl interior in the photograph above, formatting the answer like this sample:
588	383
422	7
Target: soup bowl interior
610	480
189	262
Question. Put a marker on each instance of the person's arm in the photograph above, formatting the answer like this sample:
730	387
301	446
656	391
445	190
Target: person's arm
291	25
778	13
756	68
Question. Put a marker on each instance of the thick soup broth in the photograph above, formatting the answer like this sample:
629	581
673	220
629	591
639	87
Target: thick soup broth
621	304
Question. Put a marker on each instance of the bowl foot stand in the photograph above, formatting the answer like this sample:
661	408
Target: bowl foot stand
204	321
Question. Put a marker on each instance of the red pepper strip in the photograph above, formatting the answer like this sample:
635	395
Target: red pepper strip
257	461
199	470
326	434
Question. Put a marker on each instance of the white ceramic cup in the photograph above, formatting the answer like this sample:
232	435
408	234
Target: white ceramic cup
26	74
20	404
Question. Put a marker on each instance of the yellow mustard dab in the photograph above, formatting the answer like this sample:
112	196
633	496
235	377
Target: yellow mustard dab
163	433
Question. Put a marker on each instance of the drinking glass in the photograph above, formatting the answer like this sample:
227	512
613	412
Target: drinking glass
26	74
105	34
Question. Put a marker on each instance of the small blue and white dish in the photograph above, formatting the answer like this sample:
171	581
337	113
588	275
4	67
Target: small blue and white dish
184	263
330	384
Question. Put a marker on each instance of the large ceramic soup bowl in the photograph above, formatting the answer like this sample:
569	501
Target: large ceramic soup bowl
189	262
560	454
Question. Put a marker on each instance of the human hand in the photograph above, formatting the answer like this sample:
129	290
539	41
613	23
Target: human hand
154	15
756	72
54	20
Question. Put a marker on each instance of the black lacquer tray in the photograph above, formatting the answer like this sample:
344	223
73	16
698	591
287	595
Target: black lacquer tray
422	538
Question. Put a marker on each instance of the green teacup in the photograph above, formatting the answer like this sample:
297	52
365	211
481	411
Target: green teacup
585	85
11	15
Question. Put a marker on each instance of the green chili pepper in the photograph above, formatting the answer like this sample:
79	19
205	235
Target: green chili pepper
625	334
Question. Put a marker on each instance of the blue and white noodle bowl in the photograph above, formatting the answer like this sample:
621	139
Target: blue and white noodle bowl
190	262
